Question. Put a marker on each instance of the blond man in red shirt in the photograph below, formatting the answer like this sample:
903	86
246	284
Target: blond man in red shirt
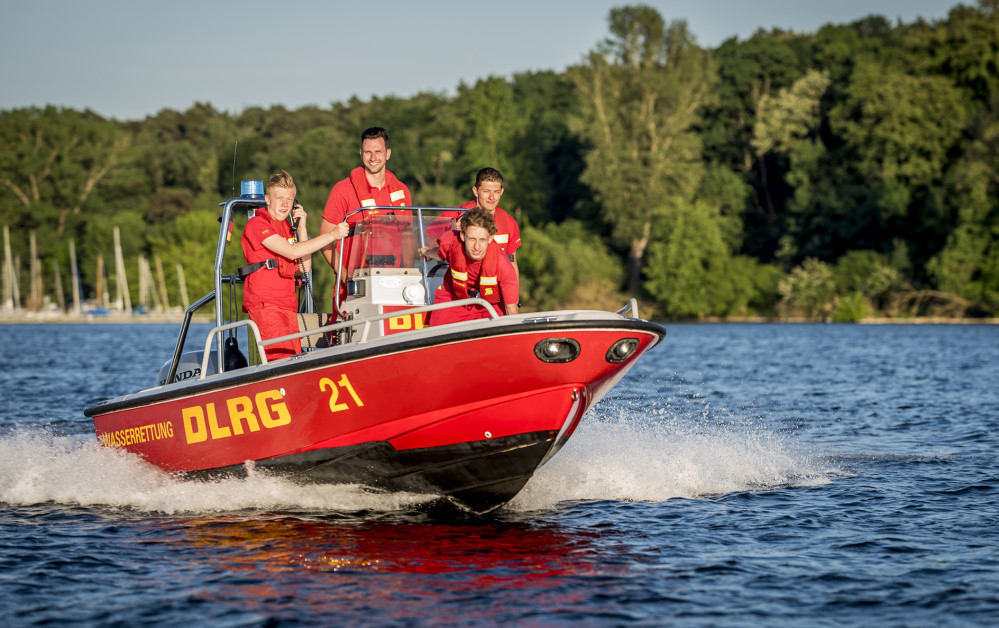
269	291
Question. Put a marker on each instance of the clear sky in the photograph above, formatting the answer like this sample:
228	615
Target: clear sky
127	59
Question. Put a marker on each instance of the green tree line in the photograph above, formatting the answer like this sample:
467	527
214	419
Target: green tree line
839	174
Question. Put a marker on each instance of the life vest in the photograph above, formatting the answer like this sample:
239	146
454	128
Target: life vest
488	284
397	191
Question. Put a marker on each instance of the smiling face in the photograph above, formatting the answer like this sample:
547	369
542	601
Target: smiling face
374	154
280	202
476	241
488	194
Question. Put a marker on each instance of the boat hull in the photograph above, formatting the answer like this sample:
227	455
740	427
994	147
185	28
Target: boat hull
469	414
479	476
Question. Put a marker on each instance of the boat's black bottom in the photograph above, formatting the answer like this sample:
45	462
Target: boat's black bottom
479	476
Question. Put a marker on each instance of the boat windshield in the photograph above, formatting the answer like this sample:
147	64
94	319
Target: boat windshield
390	237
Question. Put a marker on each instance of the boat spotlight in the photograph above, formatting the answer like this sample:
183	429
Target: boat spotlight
251	188
557	350
621	350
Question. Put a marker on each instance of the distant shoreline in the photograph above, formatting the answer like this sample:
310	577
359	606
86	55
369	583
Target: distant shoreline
930	320
35	318
919	320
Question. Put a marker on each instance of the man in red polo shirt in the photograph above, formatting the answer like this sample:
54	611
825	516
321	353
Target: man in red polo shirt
488	190
371	185
269	290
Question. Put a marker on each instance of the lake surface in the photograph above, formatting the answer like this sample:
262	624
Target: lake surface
740	475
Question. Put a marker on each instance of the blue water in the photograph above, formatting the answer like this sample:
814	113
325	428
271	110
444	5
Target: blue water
740	475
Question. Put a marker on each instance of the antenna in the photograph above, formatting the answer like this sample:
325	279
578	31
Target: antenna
234	147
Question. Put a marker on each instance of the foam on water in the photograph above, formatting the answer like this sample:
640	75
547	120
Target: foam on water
37	466
627	453
654	454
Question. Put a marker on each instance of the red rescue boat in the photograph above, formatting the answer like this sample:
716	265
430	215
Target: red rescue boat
466	411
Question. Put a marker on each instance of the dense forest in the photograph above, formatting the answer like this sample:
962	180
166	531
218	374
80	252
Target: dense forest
837	175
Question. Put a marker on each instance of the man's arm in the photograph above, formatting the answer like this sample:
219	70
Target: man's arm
325	227
513	243
278	245
436	251
509	285
431	252
334	210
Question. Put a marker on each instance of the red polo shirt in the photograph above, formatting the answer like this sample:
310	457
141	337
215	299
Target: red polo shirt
266	285
344	197
355	192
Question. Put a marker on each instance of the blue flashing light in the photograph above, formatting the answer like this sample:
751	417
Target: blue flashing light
251	189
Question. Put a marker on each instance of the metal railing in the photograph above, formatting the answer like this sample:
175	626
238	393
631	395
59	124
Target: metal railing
364	323
182	337
632	306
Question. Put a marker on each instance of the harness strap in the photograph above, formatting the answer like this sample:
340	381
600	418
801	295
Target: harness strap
245	271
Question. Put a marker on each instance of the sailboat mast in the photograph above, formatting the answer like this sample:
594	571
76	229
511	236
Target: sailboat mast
183	287
102	294
35	274
119	268
74	273
57	278
161	281
8	272
143	287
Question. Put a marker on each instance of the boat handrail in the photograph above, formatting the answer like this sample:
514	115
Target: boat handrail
227	208
632	306
365	323
182	337
221	328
